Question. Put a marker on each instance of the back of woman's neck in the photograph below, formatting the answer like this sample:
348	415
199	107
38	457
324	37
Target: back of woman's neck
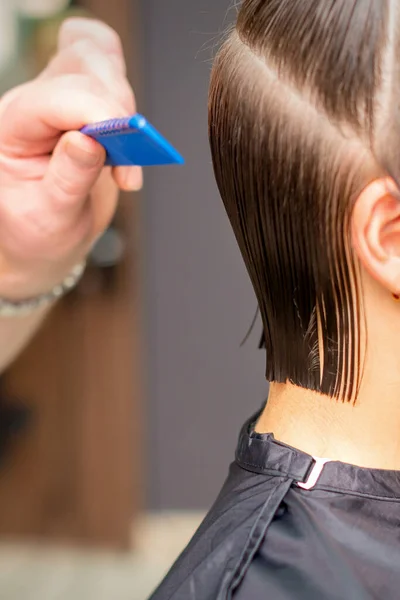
366	434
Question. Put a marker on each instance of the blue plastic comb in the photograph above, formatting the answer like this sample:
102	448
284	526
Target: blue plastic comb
133	141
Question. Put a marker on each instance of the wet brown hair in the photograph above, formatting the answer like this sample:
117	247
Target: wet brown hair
303	113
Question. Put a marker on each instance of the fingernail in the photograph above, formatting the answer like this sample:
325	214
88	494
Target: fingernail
84	157
134	179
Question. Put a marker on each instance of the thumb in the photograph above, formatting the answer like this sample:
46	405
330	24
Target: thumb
73	169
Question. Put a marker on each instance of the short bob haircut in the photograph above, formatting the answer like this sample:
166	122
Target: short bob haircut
304	112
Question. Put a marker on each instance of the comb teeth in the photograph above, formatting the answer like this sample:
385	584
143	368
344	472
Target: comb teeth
111	127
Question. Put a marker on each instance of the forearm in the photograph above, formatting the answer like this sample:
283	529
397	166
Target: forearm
15	334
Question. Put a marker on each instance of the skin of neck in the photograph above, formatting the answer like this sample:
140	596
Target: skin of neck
365	433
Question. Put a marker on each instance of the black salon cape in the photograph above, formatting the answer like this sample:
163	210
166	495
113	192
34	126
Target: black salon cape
267	539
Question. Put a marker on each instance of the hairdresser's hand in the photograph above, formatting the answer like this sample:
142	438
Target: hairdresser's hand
56	197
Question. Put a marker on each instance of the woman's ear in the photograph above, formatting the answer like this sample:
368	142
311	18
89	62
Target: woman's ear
376	232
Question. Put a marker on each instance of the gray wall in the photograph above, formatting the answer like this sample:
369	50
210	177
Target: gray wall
200	304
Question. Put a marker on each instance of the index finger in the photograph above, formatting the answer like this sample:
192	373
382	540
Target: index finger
103	36
32	123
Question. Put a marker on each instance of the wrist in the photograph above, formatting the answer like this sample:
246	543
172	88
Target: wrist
19	282
17	300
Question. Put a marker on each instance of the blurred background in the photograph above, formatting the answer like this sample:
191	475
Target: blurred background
118	423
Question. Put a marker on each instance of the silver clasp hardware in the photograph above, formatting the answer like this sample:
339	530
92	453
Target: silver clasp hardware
315	473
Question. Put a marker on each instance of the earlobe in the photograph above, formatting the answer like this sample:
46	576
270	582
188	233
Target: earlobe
376	232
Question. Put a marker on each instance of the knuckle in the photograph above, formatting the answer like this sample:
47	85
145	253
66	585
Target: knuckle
65	27
81	48
85	28
81	54
10	101
69	23
86	58
111	37
67	32
98	74
11	95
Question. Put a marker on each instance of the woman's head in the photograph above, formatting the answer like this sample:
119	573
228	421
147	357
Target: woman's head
304	126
